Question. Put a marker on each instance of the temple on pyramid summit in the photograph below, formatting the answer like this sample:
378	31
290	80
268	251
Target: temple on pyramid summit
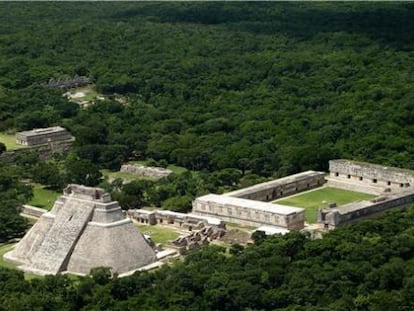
85	229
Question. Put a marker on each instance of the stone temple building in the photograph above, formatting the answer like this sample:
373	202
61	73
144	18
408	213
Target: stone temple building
85	229
42	136
249	206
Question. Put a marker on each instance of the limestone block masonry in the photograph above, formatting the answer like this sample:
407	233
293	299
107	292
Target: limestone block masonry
42	136
85	229
249	206
146	171
373	175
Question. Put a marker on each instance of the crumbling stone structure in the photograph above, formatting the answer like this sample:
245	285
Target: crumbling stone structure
367	177
349	213
85	229
44	152
68	83
197	238
282	187
42	136
189	221
146	171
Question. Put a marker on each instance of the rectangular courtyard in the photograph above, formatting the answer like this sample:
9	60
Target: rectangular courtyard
312	200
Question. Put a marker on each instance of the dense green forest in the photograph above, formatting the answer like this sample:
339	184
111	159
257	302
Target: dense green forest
273	88
368	266
234	92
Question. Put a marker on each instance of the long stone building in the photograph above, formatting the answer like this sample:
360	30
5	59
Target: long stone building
282	187
369	177
249	212
246	206
84	229
42	136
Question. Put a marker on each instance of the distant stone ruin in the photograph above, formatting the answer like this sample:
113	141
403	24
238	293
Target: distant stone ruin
43	136
68	83
146	171
85	229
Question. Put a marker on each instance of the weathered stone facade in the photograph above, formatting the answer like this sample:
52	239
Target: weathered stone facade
371	175
282	187
189	221
245	206
196	239
349	213
44	151
393	187
42	136
146	171
249	212
84	229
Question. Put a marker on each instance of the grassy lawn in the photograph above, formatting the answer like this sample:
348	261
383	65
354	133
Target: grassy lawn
315	199
159	234
10	141
4	248
43	198
89	93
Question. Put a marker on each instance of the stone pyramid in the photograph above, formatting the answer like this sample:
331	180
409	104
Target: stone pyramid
85	229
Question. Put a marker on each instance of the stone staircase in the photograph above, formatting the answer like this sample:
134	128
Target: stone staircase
52	255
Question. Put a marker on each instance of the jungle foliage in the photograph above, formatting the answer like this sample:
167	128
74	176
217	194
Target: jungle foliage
236	92
273	88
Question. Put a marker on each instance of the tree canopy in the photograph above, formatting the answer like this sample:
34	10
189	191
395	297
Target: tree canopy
271	88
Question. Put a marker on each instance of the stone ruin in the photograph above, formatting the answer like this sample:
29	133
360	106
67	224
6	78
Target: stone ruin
85	229
197	238
76	81
146	171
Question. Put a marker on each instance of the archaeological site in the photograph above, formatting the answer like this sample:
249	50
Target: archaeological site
253	206
85	229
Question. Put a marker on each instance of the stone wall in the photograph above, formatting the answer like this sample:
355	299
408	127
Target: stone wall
146	171
371	174
44	151
282	187
32	210
190	221
349	213
249	212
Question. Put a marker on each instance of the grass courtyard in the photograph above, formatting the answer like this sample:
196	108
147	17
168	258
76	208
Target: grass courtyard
43	198
4	248
314	199
159	234
10	141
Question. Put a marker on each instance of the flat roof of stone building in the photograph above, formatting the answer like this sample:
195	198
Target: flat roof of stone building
251	204
42	131
273	183
374	166
269	230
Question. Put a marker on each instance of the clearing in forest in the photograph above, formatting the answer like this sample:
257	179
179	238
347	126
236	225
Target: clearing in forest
159	234
312	200
10	141
43	197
